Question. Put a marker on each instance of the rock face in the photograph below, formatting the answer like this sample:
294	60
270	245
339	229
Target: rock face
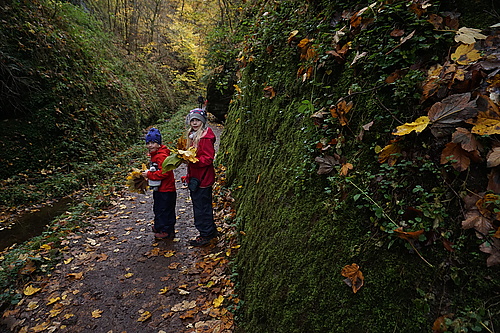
219	97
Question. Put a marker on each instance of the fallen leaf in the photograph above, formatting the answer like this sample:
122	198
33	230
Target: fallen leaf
326	164
466	139
354	277
418	126
454	153
184	305
129	275
465	54
448	113
163	290
345	169
389	154
75	276
218	301
144	316
408	234
493	249
40	327
30	290
468	35
97	313
474	219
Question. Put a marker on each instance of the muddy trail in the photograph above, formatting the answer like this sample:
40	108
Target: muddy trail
114	275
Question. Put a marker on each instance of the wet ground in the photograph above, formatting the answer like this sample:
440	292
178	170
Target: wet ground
116	277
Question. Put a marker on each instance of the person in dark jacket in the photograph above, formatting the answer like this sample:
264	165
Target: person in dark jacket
162	185
201	175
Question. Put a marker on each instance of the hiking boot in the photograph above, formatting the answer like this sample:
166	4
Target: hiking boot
202	241
164	235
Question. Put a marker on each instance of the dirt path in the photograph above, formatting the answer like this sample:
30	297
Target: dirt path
115	277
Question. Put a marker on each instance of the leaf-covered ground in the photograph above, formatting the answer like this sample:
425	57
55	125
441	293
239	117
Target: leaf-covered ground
115	277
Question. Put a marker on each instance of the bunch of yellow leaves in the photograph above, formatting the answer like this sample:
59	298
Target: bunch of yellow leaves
136	182
177	157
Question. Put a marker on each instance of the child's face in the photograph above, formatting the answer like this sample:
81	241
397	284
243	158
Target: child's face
195	124
152	146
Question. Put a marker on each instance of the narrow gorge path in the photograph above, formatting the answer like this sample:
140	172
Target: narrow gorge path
115	277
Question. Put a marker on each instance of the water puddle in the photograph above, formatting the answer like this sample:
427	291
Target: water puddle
32	224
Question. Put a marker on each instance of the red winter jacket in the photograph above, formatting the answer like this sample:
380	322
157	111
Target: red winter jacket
204	168
167	179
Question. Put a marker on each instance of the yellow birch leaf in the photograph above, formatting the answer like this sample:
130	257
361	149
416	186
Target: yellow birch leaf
418	126
97	313
144	316
30	290
218	301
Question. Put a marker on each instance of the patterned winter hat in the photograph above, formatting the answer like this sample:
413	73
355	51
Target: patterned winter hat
153	135
197	114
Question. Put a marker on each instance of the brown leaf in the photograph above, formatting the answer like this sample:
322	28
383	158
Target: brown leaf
474	219
408	234
455	153
451	111
494	180
466	139
269	92
493	248
345	169
354	277
340	110
326	164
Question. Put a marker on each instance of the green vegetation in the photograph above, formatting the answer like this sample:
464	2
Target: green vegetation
300	67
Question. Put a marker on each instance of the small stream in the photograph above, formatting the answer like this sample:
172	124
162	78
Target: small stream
32	224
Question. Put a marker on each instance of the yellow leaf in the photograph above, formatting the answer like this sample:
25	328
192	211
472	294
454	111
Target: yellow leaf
40	327
486	126
30	290
97	313
53	300
67	261
188	155
418	126
465	54
144	316
46	247
345	169
169	254
128	275
163	291
32	306
55	312
218	301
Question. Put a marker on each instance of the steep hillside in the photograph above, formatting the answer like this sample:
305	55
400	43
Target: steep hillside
69	97
346	143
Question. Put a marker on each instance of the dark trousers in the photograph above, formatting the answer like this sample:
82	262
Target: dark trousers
164	210
203	213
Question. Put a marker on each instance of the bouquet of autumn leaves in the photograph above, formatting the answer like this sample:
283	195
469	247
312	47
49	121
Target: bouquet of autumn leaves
178	155
136	182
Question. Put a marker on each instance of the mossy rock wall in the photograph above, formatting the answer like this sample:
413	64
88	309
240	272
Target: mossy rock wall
299	229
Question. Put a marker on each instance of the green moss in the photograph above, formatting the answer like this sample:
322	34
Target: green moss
301	228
